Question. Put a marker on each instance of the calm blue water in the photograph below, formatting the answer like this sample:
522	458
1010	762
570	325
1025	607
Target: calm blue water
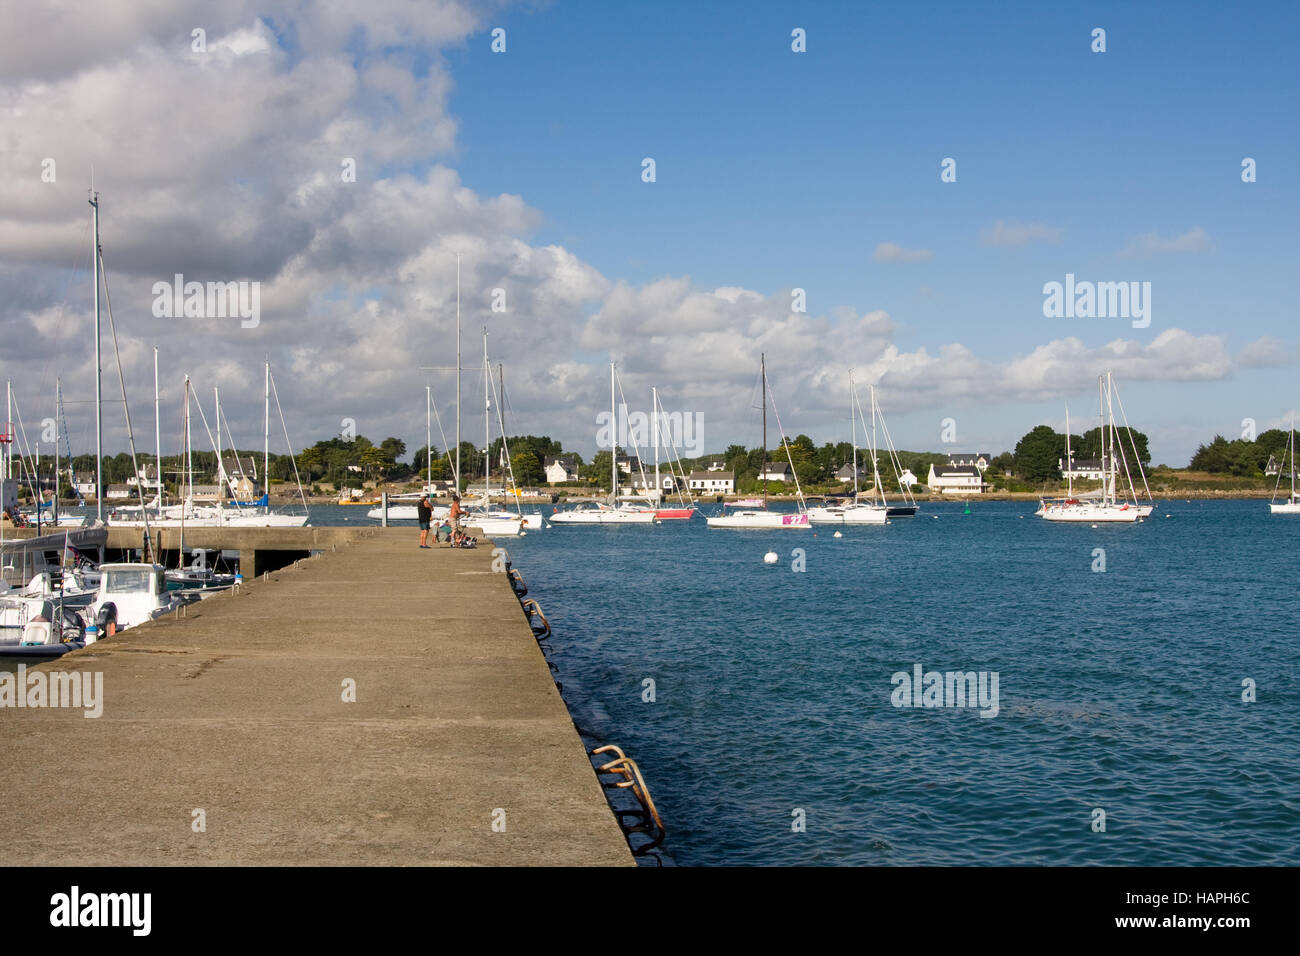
1118	690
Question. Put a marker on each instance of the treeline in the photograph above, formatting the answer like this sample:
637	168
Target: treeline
1242	457
344	461
1040	451
118	469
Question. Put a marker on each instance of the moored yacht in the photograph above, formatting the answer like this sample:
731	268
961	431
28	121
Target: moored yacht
1289	505
761	518
1103	505
856	511
130	594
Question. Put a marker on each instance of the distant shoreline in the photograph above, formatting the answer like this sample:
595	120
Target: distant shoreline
1254	494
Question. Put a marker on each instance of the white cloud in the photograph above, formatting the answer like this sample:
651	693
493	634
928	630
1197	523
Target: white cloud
1003	234
892	252
1194	240
1267	352
228	167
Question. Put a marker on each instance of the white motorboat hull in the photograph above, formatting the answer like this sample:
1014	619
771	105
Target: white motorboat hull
852	515
494	526
1094	514
215	519
264	521
603	516
760	520
532	521
406	512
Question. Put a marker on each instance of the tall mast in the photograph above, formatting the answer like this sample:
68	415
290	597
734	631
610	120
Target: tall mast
654	423
428	438
99	397
189	470
1101	438
853	421
1069	467
487	424
458	374
221	465
1110	431
157	432
762	367
877	491
58	401
189	445
266	439
613	451
501	419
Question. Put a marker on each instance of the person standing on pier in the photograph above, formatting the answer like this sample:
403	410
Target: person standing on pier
424	511
455	515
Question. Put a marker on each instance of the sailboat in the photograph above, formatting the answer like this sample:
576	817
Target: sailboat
686	509
1104	505
907	507
610	512
1291	506
761	517
255	514
857	511
407	508
481	515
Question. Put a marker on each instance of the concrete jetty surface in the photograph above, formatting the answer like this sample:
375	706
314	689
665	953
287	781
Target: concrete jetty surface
237	710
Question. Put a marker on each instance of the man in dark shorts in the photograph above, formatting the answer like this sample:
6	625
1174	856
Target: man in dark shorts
424	511
455	513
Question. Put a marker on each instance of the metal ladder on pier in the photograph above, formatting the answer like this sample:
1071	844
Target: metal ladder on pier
641	824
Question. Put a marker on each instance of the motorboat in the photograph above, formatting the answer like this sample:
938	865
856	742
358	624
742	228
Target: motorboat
130	594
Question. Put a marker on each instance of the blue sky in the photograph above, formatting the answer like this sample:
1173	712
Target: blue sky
775	170
778	169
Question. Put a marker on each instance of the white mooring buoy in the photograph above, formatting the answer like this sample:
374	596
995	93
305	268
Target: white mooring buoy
771	557
839	534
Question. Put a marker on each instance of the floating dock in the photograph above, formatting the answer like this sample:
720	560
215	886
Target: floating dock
227	735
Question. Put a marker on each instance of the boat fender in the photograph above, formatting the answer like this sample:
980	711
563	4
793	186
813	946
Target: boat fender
107	619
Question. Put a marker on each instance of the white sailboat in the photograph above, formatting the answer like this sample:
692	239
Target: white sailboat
481	515
857	511
1104	505
529	520
610	512
198	514
1291	506
407	506
686	508
759	518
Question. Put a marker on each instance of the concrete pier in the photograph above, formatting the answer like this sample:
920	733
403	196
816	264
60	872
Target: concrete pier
457	750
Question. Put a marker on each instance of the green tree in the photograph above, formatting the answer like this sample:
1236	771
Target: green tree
310	463
527	468
598	470
1089	445
1038	454
374	461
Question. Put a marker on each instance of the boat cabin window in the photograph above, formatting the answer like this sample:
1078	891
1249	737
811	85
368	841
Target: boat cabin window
129	580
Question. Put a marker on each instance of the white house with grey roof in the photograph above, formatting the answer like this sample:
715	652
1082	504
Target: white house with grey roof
978	460
955	479
712	482
559	469
1090	469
